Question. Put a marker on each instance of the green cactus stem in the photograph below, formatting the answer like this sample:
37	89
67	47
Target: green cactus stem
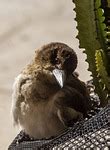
94	35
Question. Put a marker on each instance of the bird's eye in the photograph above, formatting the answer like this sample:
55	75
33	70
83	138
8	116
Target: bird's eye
65	54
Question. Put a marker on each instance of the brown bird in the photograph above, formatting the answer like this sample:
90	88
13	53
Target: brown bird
47	95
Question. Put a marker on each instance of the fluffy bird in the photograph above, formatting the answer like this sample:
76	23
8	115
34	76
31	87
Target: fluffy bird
47	95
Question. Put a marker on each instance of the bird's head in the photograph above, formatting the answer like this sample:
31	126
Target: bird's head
58	57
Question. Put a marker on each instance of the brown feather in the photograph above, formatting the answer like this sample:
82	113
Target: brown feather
40	105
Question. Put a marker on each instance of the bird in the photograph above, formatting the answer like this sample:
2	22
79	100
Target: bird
47	94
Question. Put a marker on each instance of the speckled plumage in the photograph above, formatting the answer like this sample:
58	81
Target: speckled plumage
39	105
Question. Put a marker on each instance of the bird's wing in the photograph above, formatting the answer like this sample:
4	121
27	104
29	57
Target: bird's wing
18	97
81	92
72	101
68	115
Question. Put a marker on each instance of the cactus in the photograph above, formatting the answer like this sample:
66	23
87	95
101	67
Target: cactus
93	19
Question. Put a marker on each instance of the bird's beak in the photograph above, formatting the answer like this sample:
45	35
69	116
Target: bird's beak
60	76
